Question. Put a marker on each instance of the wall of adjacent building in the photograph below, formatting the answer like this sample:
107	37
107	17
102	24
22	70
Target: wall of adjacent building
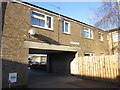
114	41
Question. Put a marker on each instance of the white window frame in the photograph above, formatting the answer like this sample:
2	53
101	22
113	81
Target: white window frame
102	54
42	19
89	36
100	36
68	27
116	36
107	37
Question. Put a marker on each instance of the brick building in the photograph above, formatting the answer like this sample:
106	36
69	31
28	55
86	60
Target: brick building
60	37
38	58
114	40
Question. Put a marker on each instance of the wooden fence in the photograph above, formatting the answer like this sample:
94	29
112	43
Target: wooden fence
104	67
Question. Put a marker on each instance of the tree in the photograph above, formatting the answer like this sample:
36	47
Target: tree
108	15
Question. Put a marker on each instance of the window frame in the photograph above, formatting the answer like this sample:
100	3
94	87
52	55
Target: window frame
64	31
102	54
116	38
88	31
107	37
40	18
101	36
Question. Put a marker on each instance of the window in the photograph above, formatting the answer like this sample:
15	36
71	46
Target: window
116	36
88	33
88	54
65	27
101	54
107	37
48	22
100	36
41	20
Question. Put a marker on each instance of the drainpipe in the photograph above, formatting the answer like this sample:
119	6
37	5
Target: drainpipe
59	26
58	21
112	42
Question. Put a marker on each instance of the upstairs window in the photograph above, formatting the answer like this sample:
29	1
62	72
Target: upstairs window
116	36
101	54
65	27
41	20
88	33
100	36
107	37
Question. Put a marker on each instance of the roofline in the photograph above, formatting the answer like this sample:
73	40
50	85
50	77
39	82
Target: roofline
54	13
115	29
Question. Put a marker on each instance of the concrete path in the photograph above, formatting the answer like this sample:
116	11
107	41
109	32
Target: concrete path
41	79
94	84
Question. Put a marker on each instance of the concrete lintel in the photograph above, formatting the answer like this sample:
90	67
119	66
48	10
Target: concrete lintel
45	46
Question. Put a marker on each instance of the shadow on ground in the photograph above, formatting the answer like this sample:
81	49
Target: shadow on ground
42	79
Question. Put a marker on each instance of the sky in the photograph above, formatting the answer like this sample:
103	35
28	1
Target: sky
81	11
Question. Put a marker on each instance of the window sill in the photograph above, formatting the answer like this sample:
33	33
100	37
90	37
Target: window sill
42	27
101	41
116	41
88	38
66	33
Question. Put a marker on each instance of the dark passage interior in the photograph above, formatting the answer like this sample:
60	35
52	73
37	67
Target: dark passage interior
57	61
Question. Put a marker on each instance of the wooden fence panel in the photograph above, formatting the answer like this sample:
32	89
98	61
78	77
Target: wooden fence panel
99	66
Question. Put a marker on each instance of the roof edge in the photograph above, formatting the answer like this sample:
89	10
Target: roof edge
24	2
115	29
